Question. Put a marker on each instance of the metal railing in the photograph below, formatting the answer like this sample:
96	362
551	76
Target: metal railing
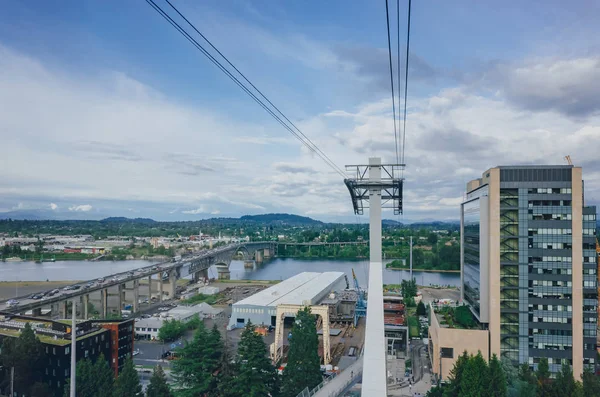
338	386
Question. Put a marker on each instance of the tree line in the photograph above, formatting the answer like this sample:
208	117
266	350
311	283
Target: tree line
207	367
473	376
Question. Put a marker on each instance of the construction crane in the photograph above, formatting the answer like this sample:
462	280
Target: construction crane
361	303
568	158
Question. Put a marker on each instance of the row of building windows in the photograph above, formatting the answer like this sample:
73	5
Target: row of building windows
589	232
143	329
560	308
550	190
550	346
590	217
549	217
248	310
548	231
552	332
590	284
590	308
533	259
534	270
549	203
549	283
551	360
550	246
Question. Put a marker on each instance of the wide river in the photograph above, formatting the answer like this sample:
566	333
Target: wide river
276	269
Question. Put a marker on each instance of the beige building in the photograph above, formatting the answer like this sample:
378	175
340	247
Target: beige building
528	268
446	344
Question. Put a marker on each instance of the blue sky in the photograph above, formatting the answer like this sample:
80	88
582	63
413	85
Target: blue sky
106	110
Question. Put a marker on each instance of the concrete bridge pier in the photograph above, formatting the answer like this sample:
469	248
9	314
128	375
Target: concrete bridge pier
248	264
172	284
136	295
267	253
121	289
62	307
85	301
160	285
36	312
104	302
223	271
149	287
258	256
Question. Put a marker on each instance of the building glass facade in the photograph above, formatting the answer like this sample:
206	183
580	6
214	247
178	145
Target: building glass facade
471	262
537	236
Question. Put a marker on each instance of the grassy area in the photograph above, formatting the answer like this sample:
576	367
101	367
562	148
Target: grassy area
413	327
200	298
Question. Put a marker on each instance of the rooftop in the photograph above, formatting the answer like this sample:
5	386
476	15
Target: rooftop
455	317
295	290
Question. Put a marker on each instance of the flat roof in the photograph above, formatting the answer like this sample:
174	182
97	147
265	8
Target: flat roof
294	290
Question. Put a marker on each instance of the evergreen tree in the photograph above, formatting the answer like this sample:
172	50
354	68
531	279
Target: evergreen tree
227	371
543	378
591	383
453	387
255	376
196	369
564	384
93	379
421	311
303	368
158	386
528	384
497	378
25	354
475	378
128	382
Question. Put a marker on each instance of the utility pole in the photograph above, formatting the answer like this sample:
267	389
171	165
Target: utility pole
73	347
411	258
12	381
381	188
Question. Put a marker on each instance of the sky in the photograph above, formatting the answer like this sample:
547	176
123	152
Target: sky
106	110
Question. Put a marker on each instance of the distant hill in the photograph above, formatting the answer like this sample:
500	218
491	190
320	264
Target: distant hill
288	219
391	222
122	219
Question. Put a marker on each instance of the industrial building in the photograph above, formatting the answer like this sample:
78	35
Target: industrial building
528	266
113	339
147	328
307	288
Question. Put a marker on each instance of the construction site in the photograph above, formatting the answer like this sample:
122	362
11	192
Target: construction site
339	307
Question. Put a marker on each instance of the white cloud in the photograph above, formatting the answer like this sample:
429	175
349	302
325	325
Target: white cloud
200	210
53	206
81	208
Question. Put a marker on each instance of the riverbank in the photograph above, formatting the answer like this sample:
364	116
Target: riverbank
10	289
406	269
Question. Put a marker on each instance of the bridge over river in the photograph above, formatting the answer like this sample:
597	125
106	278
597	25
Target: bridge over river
161	277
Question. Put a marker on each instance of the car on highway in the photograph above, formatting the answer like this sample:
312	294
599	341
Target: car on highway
135	352
12	302
100	280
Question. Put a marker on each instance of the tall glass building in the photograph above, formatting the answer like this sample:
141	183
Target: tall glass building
528	264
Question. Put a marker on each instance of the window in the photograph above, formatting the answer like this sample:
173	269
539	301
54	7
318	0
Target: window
67	350
447	352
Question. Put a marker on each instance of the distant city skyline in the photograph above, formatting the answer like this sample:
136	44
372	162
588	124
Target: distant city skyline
106	111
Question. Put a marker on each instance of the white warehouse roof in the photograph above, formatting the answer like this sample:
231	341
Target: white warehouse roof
303	287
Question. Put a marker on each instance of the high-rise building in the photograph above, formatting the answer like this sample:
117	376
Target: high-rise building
528	264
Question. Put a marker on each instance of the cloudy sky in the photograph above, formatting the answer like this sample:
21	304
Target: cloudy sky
106	110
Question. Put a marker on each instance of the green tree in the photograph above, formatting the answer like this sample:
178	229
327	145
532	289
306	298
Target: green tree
497	378
93	379
564	384
435	391
418	258
421	311
128	382
171	330
591	383
475	378
409	288
432	238
454	385
255	376
303	368
158	386
463	316
26	355
543	378
199	361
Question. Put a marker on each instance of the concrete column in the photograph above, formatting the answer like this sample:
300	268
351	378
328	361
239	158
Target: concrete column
62	307
160	284
248	264
258	255
36	312
104	302
374	359
121	290
173	283
86	303
149	287
267	253
136	295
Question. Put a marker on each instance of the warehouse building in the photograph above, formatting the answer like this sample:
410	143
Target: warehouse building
307	288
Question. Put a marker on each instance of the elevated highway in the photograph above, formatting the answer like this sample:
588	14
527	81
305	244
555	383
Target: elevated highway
195	265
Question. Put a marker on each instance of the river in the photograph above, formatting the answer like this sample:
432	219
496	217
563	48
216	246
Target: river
276	269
